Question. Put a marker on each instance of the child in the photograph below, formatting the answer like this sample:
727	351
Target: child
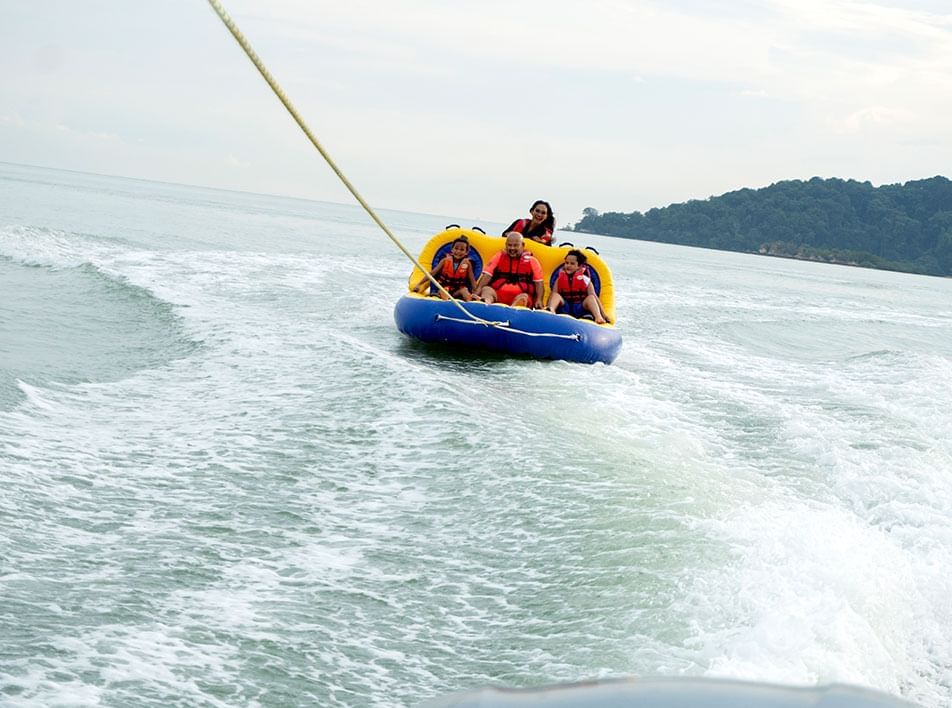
454	272
573	291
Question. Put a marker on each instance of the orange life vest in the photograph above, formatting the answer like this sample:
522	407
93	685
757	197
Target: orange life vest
574	288
516	271
522	226
453	275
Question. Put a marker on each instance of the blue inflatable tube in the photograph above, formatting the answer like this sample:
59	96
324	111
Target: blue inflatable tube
517	330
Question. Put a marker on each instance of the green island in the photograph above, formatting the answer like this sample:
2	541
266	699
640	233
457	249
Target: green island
903	227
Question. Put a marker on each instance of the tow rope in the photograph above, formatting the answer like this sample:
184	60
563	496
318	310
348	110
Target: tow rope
286	102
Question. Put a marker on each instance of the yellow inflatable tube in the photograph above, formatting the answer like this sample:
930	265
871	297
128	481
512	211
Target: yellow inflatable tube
550	257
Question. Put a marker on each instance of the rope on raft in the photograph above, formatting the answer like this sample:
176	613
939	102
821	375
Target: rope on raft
279	92
508	328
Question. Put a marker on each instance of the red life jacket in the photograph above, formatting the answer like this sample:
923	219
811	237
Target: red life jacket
516	271
522	226
453	275
574	289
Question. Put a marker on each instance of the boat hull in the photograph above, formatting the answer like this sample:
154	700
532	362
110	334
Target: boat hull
534	333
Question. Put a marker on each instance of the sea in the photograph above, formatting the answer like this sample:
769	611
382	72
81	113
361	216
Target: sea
226	479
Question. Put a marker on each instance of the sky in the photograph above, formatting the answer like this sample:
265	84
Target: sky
476	108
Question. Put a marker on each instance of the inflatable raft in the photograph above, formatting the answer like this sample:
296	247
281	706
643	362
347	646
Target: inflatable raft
513	330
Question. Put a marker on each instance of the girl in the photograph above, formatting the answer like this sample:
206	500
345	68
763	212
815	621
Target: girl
454	272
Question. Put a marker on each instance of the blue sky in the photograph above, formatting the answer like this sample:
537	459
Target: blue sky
475	109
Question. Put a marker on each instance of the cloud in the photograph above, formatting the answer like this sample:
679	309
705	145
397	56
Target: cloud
12	119
79	133
874	117
634	95
428	104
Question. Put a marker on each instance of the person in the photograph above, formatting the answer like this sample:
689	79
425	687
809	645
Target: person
511	276
454	272
573	291
539	227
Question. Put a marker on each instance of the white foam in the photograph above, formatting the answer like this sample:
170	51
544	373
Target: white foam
305	501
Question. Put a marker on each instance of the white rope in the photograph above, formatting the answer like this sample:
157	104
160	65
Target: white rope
505	326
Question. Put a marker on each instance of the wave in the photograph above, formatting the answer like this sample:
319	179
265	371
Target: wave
71	317
55	249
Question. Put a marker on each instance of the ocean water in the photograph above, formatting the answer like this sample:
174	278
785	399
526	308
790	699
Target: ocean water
228	480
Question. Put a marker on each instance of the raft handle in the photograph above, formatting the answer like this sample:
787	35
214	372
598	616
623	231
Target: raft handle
590	248
567	243
452	226
476	228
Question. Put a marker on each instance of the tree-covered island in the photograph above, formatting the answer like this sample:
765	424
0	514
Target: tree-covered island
905	227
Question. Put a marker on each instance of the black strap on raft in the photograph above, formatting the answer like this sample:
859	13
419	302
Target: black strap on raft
523	280
452	226
567	243
592	250
476	228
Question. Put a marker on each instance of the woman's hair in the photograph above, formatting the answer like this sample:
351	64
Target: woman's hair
549	222
579	256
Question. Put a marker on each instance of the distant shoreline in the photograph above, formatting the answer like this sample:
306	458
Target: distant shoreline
763	252
906	228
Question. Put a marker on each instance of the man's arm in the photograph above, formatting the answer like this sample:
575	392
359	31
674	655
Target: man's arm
540	291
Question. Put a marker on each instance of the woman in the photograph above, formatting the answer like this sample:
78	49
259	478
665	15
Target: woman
538	228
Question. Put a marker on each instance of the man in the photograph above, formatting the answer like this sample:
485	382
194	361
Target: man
512	276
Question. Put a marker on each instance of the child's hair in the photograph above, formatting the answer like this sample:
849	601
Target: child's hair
579	256
460	239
